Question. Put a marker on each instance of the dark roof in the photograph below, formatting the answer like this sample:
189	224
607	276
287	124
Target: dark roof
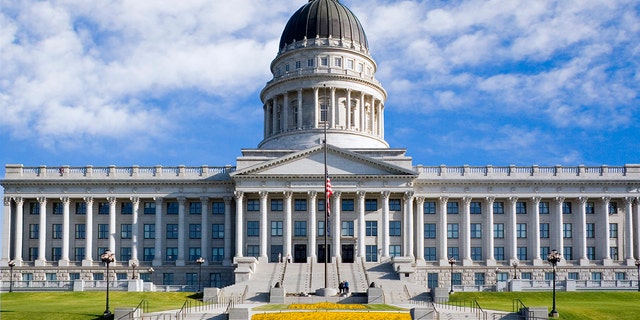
323	18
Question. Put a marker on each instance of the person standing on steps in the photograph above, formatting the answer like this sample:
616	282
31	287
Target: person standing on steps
346	286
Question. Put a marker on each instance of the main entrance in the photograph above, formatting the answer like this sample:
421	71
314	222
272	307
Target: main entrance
347	253
321	254
300	253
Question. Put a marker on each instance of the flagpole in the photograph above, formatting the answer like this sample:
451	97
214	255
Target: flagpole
326	195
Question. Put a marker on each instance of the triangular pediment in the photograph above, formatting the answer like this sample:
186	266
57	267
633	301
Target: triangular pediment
310	162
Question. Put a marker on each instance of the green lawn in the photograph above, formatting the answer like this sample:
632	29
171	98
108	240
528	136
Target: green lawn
570	305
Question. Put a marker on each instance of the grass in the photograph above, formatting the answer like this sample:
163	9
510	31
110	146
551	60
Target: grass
570	305
368	307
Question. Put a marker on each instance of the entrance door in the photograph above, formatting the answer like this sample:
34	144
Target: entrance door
300	253
347	253
321	254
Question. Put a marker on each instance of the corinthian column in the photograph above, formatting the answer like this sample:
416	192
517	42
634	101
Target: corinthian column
64	259
361	224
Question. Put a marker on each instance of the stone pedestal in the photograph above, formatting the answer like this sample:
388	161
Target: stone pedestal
326	292
78	285
239	314
537	313
515	285
375	296
440	294
135	285
211	294
276	295
423	313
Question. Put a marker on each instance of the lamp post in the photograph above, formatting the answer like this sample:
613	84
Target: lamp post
200	261
515	269
452	262
107	257
150	270
133	266
638	266
553	258
13	264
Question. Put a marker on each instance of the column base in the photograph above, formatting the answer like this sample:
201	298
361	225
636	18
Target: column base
227	262
180	263
156	263
539	262
491	263
40	263
63	263
444	263
631	262
420	262
87	263
467	262
584	262
607	262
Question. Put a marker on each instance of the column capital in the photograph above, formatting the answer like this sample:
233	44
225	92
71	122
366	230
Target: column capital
19	200
408	195
227	200
7	201
582	200
443	200
88	200
181	199
420	200
361	194
513	199
559	199
490	200
536	200
467	200
606	199
287	194
65	200
204	199
385	194
238	194
628	201
312	194
263	194
42	200
337	194
135	200
112	200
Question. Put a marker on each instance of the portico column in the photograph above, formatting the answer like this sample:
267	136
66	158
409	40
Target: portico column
603	237
420	229
88	258
557	227
158	257
513	233
42	239
491	260
535	231
312	225
348	113
316	107
265	120
227	230
135	206
385	224
288	195
181	231
333	108
582	231
465	233
628	231
336	232
441	212
112	224
361	224
371	117
263	224
6	232
64	258
285	113
408	222
239	220
274	125
204	238
299	121
17	255
363	127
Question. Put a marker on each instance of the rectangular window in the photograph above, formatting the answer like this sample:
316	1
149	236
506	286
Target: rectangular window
573	275
453	252
33	253
172	208
521	230
34	231
217	207
613	230
347	205
621	276
430	231
613	253
394	229
478	279
34	208
476	231
253	205
276	228
299	228
395	250
526	275
125	253
253	229
57	208
103	231
167	279
194	253
522	253
338	62
613	207
300	204
567	230
81	208
215	280
217	230
253	251
371	204
498	208
298	65
475	207
103	208
149	231
566	207
310	62
521	208
125	231
79	254
544	230
56	231
320	228
217	254
543	207
544	252
568	253
453	231
456	278
347	228
591	253
350	64
126	208
371	228
276	204
430	254
371	253
321	205
192	279
394	205
429	207
171	254
590	208
172	231
498	230
591	230
195	207
81	231
149	253
324	61
452	207
498	253
476	253
149	208
195	231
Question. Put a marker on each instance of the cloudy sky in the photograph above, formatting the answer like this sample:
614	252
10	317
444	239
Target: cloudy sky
474	82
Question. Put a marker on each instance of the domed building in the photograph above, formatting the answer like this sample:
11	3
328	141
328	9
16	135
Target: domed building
322	185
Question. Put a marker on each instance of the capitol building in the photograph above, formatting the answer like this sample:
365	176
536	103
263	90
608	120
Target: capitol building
430	225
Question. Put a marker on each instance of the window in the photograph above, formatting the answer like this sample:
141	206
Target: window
276	204
194	253
453	231
167	279
394	205
453	252
590	208
81	231
276	228
172	208
56	231
217	230
149	208
57	208
79	254
320	228
613	253
298	65
591	253
544	252
522	253
217	207
350	64
172	231
394	229
371	253
34	231
498	208
125	231
126	208
171	254
621	276
347	228
121	276
74	276
33	253
498	230
148	253
452	208
568	253
476	230
217	254
103	231
456	278
337	62
300	204
371	204
543	207
567	230
498	253
324	61
253	229
192	279
195	231
395	250
544	230
566	207
125	253
596	276
103	208
34	208
371	228
287	68
215	280
613	207
51	276
521	230
310	62
360	67
613	230
321	205
430	231
253	205
195	207
476	253
149	231
430	254
526	275
300	228
253	251
347	205
548	276
591	230
478	278
429	207
81	208
475	208
521	208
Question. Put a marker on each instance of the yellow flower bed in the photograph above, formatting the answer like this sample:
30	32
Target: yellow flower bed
332	316
325	306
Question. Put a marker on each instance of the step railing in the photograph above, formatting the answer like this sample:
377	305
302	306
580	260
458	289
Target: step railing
142	307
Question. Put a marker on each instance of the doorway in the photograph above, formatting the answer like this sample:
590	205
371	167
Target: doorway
321	254
300	253
347	253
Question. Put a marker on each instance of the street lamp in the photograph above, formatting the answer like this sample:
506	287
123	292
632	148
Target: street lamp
13	264
107	257
515	269
638	266
452	261
553	258
133	266
200	261
150	270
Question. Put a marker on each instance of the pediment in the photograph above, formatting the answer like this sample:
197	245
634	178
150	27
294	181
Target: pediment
310	162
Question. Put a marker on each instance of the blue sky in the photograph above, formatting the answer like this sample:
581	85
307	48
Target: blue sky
177	82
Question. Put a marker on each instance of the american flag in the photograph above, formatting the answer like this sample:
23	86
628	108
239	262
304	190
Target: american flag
328	191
